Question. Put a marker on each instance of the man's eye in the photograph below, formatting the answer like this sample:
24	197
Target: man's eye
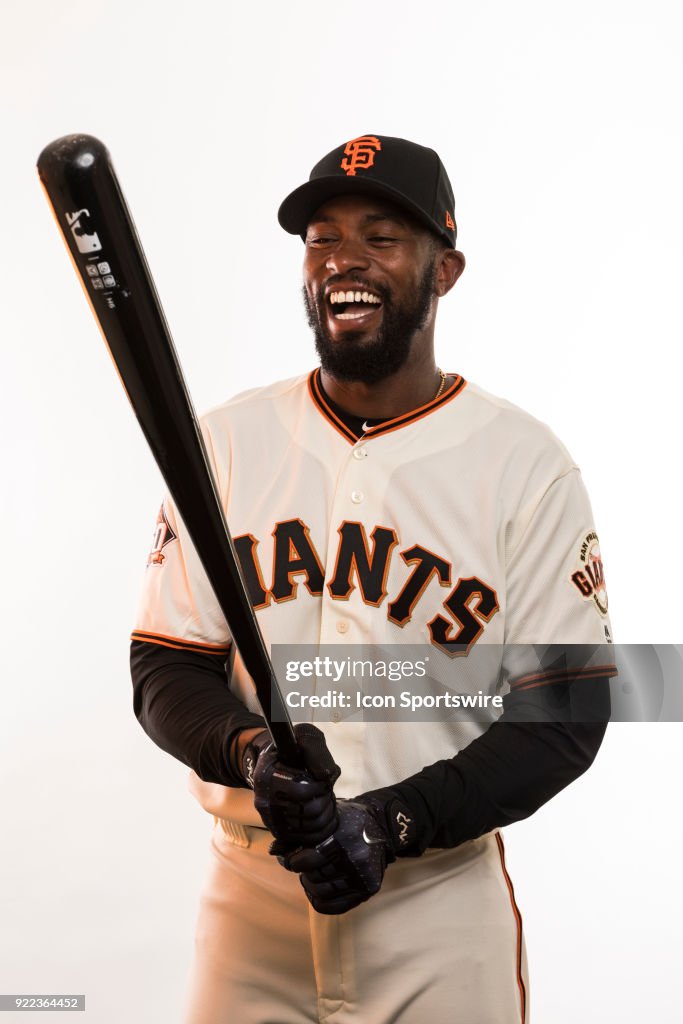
383	238
319	240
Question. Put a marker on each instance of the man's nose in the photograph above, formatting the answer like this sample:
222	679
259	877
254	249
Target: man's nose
348	254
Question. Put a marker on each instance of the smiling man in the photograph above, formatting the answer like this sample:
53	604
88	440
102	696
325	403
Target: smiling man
379	500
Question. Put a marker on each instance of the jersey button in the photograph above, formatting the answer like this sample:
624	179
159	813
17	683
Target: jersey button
342	626
356	497
360	453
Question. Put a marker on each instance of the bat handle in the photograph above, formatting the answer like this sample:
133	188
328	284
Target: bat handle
284	739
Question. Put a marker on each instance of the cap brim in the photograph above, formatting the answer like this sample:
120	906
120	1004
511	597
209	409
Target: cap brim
300	205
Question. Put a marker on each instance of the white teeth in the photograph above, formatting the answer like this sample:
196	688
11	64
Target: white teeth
337	297
349	316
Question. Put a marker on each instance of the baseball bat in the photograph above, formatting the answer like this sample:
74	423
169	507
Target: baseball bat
92	215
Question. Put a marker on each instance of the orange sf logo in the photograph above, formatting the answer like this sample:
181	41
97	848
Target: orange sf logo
360	153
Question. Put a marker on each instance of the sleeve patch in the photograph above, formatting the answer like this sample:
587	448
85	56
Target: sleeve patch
163	535
589	577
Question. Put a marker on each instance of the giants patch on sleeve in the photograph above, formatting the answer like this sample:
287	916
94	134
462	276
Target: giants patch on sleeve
589	579
163	535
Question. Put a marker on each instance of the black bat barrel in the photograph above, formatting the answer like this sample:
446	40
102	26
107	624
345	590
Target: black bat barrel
77	174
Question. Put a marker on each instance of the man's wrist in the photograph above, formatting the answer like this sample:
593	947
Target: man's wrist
397	820
239	746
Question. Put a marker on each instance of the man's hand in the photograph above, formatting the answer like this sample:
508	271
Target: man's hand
297	805
348	867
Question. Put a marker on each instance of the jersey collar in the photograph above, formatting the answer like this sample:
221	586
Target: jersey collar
323	406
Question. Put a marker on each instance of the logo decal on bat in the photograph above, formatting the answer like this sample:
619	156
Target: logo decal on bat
85	236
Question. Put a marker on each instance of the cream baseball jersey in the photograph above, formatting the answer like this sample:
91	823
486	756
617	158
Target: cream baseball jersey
462	524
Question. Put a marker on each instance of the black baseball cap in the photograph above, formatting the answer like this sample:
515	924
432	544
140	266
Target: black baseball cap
411	176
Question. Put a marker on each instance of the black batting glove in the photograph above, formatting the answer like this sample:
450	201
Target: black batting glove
297	805
348	867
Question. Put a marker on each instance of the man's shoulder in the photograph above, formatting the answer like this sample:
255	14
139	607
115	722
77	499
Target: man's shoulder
516	431
510	415
255	401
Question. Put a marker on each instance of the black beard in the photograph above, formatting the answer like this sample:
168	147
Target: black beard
371	362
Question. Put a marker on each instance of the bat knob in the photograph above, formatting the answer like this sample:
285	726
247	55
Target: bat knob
71	154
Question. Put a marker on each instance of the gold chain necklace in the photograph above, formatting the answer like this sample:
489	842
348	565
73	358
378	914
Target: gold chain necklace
442	385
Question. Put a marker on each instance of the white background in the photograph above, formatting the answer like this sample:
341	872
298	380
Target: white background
560	126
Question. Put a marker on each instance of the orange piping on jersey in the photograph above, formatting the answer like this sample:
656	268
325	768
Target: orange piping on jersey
561	675
381	428
423	410
178	644
328	413
518	919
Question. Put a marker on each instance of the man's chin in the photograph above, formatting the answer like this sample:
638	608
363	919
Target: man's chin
361	355
359	363
355	338
351	340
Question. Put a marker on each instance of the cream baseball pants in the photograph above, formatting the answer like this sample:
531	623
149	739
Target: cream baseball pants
441	943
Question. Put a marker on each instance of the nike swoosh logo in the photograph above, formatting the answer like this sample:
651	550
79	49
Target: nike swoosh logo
369	840
366	426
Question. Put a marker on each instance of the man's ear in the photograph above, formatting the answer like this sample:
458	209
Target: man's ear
450	265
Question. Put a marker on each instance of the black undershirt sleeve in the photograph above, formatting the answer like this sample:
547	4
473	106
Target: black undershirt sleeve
183	702
543	741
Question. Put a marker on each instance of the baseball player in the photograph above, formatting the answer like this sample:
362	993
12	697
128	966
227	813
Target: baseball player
378	500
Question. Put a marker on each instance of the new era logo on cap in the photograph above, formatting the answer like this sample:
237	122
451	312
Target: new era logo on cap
410	175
